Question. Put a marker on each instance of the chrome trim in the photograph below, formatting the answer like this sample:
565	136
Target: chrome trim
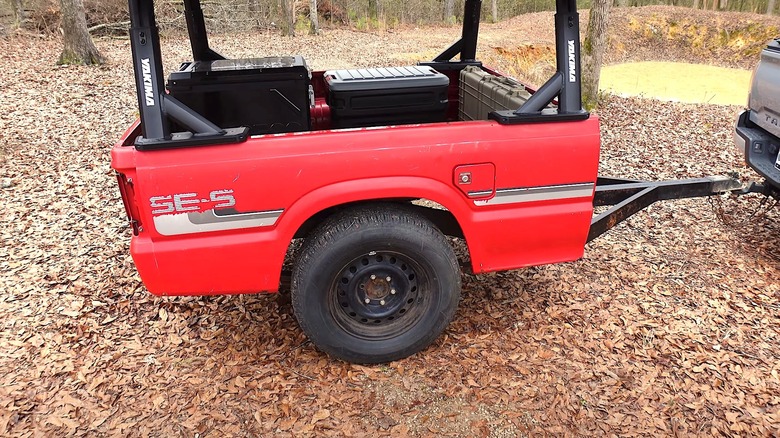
480	193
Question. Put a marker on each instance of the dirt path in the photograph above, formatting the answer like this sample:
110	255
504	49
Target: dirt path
669	325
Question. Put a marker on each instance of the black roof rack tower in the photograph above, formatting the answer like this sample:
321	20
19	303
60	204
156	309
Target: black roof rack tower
156	107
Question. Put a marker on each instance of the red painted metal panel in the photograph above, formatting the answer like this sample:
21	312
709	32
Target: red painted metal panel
290	177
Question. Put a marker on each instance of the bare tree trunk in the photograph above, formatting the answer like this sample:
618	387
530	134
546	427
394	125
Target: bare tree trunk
449	10
770	7
314	18
372	9
78	47
19	15
287	24
254	11
724	5
494	10
695	4
714	5
623	3
593	48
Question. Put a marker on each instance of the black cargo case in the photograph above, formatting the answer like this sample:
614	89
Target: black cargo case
386	96
267	95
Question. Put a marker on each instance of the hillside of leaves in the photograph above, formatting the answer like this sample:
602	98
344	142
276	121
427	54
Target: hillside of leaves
669	325
526	49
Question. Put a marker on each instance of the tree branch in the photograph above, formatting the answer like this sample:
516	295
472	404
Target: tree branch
119	25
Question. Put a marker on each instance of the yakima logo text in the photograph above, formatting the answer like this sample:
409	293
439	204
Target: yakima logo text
572	65
146	70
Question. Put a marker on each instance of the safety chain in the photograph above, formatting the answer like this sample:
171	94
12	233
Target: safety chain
760	212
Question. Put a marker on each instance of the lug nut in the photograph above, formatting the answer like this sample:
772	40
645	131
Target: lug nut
388	278
382	302
392	291
373	277
368	300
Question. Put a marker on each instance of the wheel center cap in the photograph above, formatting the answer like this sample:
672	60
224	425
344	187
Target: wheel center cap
377	289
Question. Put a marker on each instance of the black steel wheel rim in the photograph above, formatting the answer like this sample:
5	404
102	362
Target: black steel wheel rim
379	295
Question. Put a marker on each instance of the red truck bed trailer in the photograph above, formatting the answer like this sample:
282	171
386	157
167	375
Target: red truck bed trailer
371	168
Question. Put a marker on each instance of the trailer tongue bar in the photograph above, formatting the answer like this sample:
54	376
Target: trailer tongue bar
628	197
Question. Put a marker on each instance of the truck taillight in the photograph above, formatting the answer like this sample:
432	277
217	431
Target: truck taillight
128	198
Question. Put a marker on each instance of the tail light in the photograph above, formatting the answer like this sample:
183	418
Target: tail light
128	197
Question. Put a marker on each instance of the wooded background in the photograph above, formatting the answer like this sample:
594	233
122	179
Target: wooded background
233	15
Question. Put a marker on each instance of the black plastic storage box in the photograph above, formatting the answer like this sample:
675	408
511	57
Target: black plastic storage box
481	93
267	95
386	96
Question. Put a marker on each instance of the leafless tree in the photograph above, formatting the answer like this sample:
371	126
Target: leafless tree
255	11
494	10
78	47
19	15
314	28
770	7
449	10
287	24
593	48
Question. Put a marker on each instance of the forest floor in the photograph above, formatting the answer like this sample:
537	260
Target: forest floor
669	325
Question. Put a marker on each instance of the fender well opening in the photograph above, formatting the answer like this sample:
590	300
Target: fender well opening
444	220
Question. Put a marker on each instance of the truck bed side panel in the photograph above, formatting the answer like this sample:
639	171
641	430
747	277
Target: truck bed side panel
219	219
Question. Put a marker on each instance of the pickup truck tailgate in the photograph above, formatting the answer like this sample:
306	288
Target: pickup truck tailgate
764	98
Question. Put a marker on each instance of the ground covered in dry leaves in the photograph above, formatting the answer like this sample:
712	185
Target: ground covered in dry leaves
669	325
